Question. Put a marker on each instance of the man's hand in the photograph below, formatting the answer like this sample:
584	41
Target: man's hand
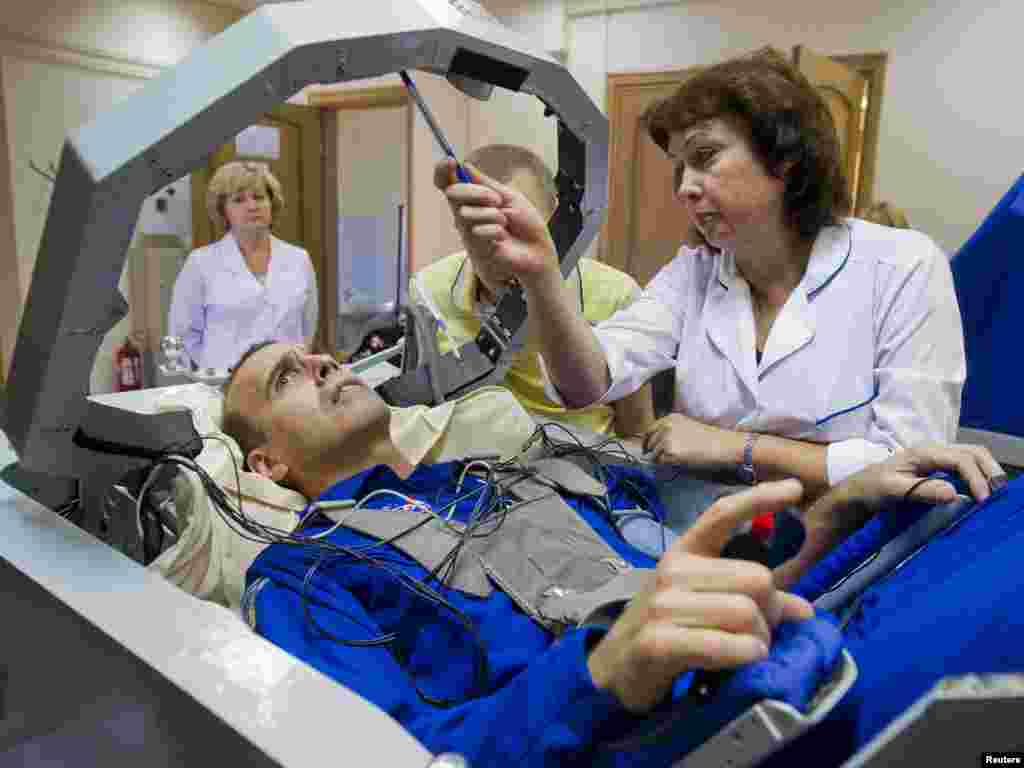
698	609
500	226
849	505
678	439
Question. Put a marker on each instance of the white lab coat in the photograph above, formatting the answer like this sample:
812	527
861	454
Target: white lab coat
219	308
867	354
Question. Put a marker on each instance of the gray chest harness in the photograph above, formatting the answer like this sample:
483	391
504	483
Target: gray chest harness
544	556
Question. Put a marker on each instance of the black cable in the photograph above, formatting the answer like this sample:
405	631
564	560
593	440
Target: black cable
260	533
914	487
489	513
385	639
593	455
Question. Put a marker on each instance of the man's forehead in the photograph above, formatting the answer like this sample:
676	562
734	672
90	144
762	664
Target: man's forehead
525	181
251	377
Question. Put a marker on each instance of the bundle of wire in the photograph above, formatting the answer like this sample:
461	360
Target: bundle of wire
490	510
598	456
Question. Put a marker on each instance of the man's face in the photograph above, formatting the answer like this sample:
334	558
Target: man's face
316	413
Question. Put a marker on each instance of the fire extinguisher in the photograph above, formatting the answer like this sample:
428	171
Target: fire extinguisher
128	367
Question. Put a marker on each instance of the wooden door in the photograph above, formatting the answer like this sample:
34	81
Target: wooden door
299	168
846	93
645	224
335	103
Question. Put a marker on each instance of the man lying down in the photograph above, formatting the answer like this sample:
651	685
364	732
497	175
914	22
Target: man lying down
210	558
514	676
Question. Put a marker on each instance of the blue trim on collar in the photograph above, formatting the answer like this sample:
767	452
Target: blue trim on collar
831	416
849	250
722	256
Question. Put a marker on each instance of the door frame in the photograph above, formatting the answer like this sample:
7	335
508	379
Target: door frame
330	101
617	226
311	173
871	66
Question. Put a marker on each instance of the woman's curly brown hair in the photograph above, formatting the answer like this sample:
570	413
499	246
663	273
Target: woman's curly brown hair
787	122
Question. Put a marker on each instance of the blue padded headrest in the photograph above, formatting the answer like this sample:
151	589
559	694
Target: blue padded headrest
989	284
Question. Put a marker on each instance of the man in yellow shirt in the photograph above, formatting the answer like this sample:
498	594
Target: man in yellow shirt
458	290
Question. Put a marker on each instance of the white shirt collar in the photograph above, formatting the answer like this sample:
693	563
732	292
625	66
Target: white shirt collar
829	254
831	250
237	263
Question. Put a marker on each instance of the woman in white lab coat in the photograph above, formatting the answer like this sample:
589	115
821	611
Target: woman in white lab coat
805	343
248	286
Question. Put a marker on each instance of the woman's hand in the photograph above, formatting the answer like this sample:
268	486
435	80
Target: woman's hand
678	439
500	226
852	503
896	476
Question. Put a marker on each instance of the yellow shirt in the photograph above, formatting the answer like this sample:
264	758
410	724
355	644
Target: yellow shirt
448	287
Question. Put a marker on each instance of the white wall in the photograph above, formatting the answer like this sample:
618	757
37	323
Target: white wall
150	32
543	21
44	99
952	117
61	96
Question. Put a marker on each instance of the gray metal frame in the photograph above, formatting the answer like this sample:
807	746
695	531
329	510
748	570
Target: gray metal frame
770	725
103	662
957	722
176	121
1007	449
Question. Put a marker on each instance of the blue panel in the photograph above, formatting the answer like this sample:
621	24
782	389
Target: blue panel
367	248
989	284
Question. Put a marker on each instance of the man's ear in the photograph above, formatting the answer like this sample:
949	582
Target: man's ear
264	464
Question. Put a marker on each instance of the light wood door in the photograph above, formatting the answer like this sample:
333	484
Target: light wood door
299	168
335	104
846	93
645	225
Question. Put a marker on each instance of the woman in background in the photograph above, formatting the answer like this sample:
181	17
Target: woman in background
248	286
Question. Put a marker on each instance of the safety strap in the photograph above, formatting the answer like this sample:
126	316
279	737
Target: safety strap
544	556
486	359
428	543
